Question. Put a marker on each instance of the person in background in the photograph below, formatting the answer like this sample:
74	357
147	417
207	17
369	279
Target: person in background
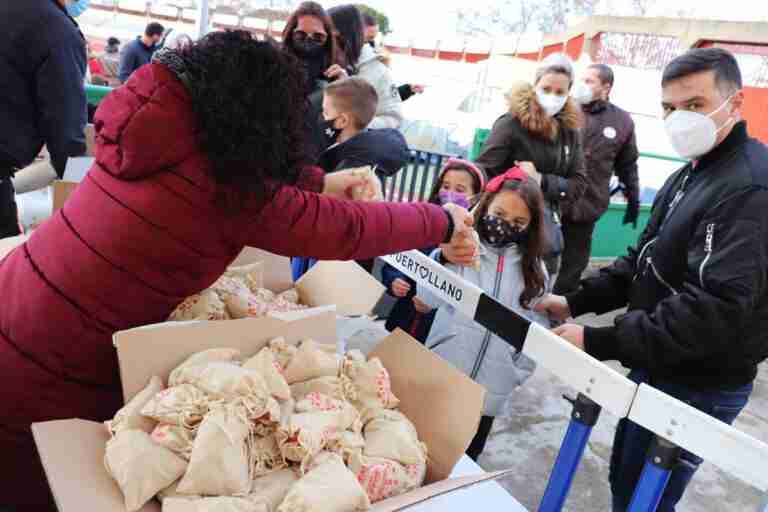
460	182
348	108
609	147
43	100
695	284
183	182
139	51
361	60
110	60
406	91
97	75
540	133
511	270
308	35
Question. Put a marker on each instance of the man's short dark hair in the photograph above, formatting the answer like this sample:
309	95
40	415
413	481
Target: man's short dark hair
722	62
154	29
604	72
369	20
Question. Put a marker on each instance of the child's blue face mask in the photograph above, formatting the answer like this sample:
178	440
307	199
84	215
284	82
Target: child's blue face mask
77	8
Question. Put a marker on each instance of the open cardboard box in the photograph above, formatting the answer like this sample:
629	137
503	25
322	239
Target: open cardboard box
444	405
77	168
344	284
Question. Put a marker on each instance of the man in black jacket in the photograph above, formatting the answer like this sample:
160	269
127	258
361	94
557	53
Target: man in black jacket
139	51
609	147
43	61
697	282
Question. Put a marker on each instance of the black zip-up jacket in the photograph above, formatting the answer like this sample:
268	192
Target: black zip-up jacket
696	283
42	91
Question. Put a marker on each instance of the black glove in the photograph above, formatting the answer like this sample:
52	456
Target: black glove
632	213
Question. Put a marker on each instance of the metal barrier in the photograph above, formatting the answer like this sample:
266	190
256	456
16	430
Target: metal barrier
414	182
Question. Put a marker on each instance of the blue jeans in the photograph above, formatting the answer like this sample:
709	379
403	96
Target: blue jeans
631	443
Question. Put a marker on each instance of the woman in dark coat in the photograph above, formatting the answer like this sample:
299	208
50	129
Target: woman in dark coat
197	156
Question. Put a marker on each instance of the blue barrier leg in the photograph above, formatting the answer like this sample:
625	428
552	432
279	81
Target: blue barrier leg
583	418
662	457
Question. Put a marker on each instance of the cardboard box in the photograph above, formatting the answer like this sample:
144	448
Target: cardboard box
77	168
444	405
344	284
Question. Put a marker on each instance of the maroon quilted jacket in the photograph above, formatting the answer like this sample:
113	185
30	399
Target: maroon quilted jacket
137	236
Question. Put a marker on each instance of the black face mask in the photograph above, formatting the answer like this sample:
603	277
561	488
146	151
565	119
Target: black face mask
373	44
330	132
308	48
499	233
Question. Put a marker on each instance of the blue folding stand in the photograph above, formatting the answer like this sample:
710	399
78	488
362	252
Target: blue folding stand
661	460
583	418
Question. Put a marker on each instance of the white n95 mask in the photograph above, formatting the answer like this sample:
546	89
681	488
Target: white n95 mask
693	134
551	103
582	93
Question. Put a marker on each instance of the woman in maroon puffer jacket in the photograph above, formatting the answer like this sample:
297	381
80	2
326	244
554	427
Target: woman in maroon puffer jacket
192	155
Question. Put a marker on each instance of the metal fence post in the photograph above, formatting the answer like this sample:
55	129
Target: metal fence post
583	418
661	460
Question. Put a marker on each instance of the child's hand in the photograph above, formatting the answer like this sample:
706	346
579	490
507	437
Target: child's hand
337	184
530	169
335	72
421	306
400	288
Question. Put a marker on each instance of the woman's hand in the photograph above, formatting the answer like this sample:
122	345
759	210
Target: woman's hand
400	288
335	72
530	170
555	306
338	184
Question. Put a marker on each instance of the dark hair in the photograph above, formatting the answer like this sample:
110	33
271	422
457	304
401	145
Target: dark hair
314	9
113	41
722	62
248	97
350	32
357	98
154	29
604	72
533	272
369	20
477	186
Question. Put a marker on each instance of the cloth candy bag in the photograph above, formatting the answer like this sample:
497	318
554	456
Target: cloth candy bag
217	504
311	362
219	465
206	305
224	380
390	435
130	417
327	487
367	383
213	355
272	488
283	351
347	445
140	467
384	478
251	275
226	286
265	456
183	405
266	415
291	296
265	364
239	304
318	402
173	492
328	386
370	190
177	438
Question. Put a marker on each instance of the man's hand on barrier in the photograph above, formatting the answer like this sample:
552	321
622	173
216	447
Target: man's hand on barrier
554	306
572	333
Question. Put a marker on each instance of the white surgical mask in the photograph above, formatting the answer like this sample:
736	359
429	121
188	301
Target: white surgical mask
551	103
582	93
693	134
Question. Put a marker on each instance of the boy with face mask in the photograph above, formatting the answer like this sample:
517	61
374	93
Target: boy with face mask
695	284
349	105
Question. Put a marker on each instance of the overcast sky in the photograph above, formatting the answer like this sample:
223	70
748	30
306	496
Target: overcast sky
433	18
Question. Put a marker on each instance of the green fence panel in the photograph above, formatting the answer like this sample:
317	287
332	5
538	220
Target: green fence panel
96	93
481	134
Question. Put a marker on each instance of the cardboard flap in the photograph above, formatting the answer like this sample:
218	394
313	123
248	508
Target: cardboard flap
72	452
77	168
9	244
157	350
443	403
344	283
426	493
277	269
